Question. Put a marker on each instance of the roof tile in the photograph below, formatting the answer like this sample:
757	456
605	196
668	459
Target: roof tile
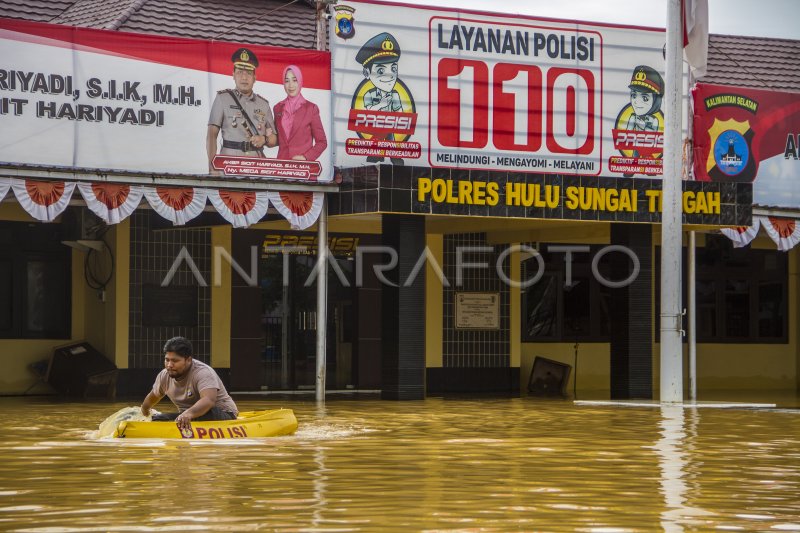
756	62
264	22
35	10
289	23
95	13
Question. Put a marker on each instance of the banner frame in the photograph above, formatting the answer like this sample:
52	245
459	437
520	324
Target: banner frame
166	180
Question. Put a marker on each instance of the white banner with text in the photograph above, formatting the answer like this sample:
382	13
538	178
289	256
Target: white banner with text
458	89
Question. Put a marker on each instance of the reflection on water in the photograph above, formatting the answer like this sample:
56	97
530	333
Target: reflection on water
489	464
672	449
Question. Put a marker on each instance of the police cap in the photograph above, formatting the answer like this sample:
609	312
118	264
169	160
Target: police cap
382	48
646	78
244	59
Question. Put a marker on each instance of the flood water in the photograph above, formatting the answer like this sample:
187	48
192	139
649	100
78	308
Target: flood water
518	464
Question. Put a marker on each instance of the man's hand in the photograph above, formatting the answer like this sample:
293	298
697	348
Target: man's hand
200	408
149	401
258	141
184	420
211	146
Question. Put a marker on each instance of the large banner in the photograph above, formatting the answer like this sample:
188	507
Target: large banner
441	88
94	99
748	135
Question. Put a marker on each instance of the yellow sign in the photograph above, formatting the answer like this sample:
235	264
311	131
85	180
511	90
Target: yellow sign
466	192
442	191
596	199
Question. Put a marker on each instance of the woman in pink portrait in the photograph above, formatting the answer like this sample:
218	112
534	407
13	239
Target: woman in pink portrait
300	133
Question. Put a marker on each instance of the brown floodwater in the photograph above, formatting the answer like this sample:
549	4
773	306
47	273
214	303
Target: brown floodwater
518	464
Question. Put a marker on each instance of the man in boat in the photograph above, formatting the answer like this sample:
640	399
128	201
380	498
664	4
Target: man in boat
193	386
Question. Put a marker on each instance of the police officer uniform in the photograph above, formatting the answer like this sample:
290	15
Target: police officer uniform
382	48
230	118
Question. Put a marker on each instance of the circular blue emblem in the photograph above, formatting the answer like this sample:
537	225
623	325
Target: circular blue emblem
345	27
731	152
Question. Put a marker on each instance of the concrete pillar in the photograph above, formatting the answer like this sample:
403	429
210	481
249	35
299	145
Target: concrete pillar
403	311
632	315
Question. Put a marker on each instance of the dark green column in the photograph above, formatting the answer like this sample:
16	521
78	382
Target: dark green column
632	315
403	312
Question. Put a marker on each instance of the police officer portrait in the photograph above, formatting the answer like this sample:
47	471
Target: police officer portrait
244	118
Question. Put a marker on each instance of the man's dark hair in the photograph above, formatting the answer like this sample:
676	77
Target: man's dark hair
179	345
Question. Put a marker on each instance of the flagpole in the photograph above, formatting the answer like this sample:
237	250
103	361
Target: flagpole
691	260
322	301
691	290
322	256
671	382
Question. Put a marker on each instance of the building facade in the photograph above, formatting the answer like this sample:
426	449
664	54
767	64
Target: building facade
430	276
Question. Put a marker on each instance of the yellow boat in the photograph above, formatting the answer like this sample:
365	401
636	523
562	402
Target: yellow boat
249	424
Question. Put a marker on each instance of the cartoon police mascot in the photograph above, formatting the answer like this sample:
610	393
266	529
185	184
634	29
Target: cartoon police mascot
643	113
382	90
647	91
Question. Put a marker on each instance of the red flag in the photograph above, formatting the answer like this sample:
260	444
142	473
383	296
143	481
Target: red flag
695	35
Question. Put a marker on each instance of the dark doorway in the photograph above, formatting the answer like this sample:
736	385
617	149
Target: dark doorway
289	314
274	325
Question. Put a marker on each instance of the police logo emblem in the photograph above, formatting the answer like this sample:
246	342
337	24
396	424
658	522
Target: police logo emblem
345	25
187	433
731	157
731	152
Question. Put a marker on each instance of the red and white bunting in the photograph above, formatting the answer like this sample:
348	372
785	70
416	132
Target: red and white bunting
5	185
112	202
240	208
301	209
742	235
179	205
784	231
43	200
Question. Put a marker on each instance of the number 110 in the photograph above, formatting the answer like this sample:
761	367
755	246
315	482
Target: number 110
517	107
